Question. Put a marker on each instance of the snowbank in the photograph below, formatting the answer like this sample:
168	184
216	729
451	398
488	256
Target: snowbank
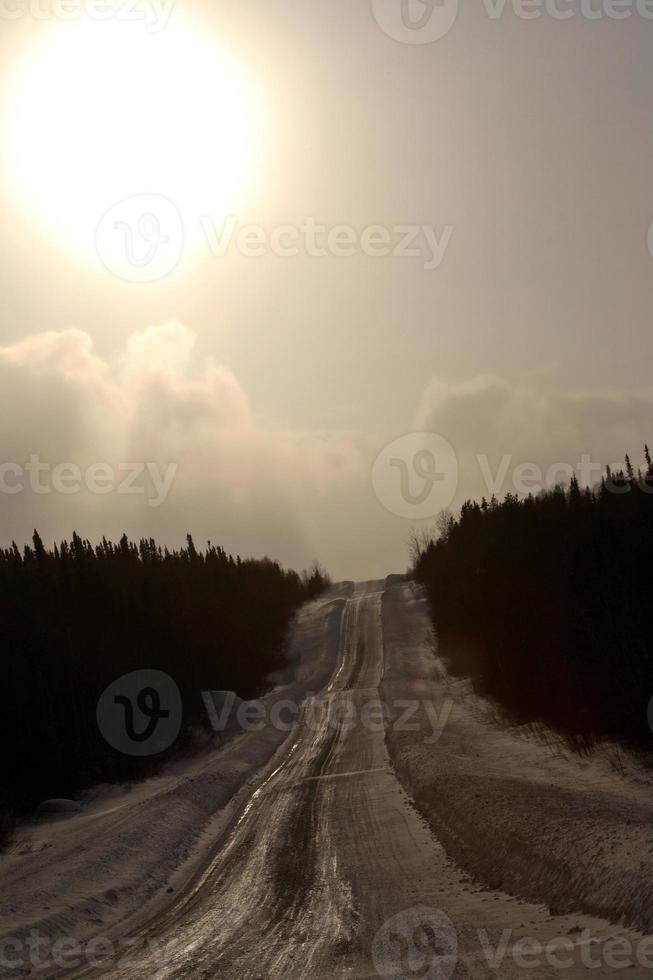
514	807
115	864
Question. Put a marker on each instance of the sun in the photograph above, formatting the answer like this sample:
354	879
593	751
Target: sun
100	111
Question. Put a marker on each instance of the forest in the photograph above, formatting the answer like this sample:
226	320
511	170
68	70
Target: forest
79	616
545	602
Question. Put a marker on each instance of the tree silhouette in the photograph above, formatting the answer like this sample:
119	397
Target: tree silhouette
76	618
545	602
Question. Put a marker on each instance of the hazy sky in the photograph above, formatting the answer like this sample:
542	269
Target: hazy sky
271	383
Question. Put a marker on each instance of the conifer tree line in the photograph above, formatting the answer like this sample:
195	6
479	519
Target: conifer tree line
546	603
79	616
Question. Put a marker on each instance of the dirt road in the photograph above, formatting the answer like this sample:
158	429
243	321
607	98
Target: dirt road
329	871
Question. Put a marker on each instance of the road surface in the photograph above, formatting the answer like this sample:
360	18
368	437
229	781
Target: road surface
328	871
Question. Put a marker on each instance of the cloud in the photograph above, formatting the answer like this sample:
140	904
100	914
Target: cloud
494	417
238	482
242	483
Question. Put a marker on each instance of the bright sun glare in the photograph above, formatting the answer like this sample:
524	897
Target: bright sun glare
100	111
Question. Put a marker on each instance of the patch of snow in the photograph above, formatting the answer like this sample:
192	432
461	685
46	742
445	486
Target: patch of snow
515	807
124	855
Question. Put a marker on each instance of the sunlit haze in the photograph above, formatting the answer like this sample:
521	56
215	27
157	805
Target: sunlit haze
263	242
98	109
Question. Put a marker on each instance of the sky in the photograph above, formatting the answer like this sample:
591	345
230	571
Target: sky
305	273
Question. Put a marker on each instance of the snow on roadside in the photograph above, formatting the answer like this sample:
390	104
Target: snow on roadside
517	810
113	865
